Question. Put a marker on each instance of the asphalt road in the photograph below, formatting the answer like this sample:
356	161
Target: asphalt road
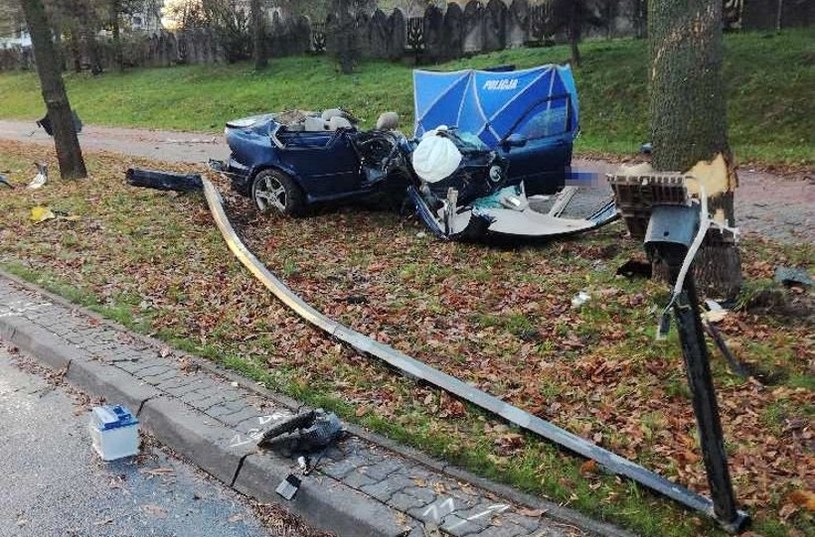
53	484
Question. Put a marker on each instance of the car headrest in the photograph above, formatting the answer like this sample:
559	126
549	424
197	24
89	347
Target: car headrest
332	112
315	124
387	121
338	122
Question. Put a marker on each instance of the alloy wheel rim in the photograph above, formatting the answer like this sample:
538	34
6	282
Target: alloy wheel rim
270	191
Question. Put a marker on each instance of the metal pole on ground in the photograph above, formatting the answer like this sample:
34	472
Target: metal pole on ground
706	408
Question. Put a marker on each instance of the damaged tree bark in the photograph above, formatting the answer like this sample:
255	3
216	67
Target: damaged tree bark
689	123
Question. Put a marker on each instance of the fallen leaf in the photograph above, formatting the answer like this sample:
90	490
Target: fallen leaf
361	411
803	498
534	513
154	510
158	471
588	467
787	510
235	518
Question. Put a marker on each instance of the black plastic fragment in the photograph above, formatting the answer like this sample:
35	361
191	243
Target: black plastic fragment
45	123
159	180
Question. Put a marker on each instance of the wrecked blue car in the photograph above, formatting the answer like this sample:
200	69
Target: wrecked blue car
482	141
289	161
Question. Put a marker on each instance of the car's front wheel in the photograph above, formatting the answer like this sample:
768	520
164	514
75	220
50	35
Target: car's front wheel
274	189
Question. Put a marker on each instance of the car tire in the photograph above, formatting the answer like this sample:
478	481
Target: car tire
272	189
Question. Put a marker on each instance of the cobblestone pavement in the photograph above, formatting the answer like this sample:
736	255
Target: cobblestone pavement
424	492
778	207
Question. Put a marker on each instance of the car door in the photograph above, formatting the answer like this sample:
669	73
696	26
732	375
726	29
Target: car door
542	163
323	162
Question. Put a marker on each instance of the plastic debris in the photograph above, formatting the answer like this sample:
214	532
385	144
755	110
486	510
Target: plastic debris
793	276
47	126
579	299
288	487
634	268
41	214
715	311
4	181
309	431
41	178
180	182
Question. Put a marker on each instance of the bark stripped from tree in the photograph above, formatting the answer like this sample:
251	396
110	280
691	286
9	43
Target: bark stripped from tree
689	122
69	155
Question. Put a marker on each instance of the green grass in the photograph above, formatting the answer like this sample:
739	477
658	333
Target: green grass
770	84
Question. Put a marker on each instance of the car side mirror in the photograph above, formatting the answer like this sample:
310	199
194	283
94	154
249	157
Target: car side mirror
514	140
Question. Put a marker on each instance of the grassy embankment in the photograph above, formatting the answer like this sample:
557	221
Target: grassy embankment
770	85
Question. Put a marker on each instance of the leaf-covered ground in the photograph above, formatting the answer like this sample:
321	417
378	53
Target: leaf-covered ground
498	317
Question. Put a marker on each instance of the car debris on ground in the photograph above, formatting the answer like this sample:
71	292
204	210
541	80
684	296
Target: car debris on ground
46	124
40	214
179	182
793	277
41	178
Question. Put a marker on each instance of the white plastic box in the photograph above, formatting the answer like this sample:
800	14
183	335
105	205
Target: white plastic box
114	432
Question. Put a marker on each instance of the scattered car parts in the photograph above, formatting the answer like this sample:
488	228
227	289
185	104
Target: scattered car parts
41	178
309	431
159	180
423	372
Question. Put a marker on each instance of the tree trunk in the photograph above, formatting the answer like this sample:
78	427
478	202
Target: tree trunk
115	9
88	28
258	48
69	155
574	31
689	123
76	50
779	15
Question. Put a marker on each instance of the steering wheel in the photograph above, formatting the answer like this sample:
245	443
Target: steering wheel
377	150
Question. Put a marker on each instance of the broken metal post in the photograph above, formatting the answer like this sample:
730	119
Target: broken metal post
706	409
658	208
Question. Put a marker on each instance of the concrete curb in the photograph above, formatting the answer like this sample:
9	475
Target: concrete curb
332	506
205	443
360	517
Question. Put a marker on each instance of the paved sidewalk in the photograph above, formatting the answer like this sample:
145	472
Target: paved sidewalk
364	486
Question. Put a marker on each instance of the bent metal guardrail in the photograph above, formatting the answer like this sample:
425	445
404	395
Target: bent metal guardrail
416	369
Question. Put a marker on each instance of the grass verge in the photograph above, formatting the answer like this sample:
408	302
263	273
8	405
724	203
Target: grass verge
769	79
500	318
